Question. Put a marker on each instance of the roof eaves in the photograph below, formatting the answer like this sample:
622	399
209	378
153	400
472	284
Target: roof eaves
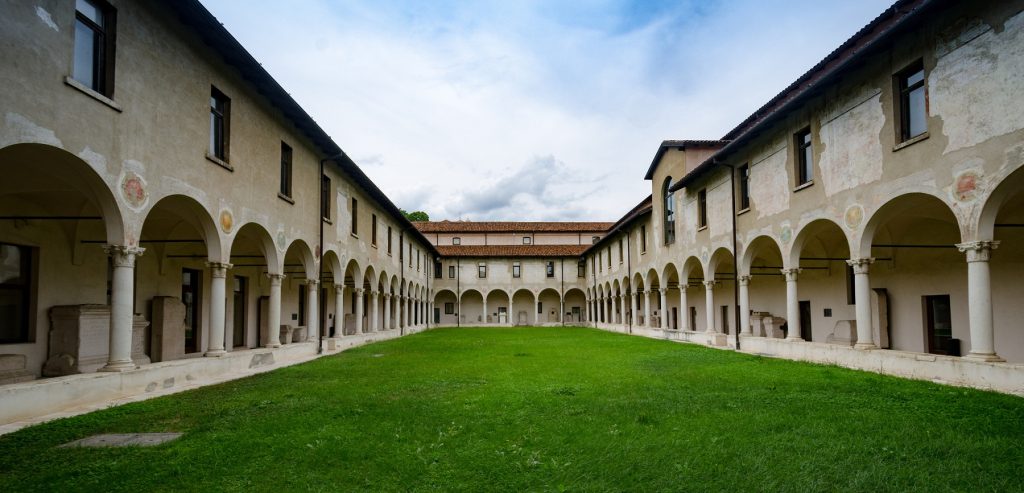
678	144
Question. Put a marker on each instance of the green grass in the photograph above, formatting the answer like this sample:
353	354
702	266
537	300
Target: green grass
541	410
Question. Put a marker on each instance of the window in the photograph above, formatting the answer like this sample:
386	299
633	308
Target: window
456	241
481	270
913	106
15	293
355	217
373	229
549	268
437	270
527	240
220	107
669	204
702	208
410	254
389	241
451	272
286	170
620	251
449	308
804	157
94	46
609	258
417	260
643	238
516	269
540	307
325	197
743	176
581	269
600	261
594	239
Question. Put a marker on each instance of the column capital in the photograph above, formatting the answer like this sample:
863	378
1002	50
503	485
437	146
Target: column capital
374	293
744	280
123	256
311	282
978	251
387	296
219	269
710	284
275	279
860	265
791	274
359	291
339	289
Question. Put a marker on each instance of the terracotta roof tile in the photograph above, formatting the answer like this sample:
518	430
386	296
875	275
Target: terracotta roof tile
511	250
509	227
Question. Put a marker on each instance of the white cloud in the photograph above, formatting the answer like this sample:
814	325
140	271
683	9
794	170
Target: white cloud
450	104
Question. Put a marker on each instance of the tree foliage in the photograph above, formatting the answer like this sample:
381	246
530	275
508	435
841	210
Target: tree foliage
415	215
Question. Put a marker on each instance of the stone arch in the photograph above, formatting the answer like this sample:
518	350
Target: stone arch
551	305
820	230
471	302
173	215
915	204
299	251
1002	206
759	247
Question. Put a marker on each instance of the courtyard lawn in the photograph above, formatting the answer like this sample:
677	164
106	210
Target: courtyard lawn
541	409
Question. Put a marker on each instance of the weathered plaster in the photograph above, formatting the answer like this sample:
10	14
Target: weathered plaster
853	151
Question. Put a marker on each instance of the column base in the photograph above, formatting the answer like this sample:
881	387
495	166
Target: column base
795	339
865	346
215	353
272	345
119	366
986	357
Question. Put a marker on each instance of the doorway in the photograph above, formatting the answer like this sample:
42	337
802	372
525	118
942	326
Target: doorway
938	324
190	297
805	320
240	305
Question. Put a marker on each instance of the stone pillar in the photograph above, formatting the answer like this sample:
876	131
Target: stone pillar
744	305
274	311
979	300
374	312
664	308
862	293
792	305
387	311
684	308
622	309
709	305
360	327
408	310
339	310
398	312
509	320
485	310
312	310
218	300
119	357
647	308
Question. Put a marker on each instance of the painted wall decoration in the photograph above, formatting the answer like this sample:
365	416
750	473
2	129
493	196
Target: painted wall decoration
133	190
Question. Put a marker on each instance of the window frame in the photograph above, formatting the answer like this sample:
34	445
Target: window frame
803	140
389	240
903	92
103	41
743	183
451	272
517	270
220	134
354	216
481	270
325	197
668	211
549	268
286	171
449	308
373	230
702	209
527	240
26	289
643	238
456	240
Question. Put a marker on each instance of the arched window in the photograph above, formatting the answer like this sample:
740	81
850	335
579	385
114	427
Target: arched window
670	211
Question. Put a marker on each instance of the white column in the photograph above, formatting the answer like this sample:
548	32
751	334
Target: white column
979	300
792	305
862	293
218	300
629	308
622	309
744	305
536	311
360	327
122	295
398	312
684	308
408	310
339	310
561	311
274	311
647	308
509	321
709	305
664	308
374	312
485	309
312	310
387	311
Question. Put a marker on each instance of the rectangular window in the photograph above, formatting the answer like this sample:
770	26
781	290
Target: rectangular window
702	208
581	269
620	251
410	254
913	105
417	260
355	217
373	229
549	268
643	238
851	288
451	272
389	241
220	111
286	170
600	261
437	270
94	46
449	308
527	240
609	258
516	270
15	293
325	197
743	176
804	157
481	270
456	241
540	308
594	239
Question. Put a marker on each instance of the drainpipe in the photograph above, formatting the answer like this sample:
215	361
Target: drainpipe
458	291
320	255
401	281
629	272
561	316
735	261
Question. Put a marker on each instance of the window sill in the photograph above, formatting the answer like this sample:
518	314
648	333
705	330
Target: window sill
355	236
285	198
702	228
219	162
93	94
803	186
910	142
327	220
743	211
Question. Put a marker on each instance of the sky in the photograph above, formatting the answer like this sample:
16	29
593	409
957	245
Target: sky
531	110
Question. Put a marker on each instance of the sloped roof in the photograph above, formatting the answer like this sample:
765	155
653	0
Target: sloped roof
510	227
681	145
640	210
511	250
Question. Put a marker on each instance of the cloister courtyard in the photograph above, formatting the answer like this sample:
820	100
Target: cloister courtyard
540	409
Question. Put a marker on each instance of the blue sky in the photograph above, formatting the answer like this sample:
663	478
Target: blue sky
531	110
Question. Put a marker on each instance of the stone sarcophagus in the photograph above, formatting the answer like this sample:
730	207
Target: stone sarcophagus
168	338
80	339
